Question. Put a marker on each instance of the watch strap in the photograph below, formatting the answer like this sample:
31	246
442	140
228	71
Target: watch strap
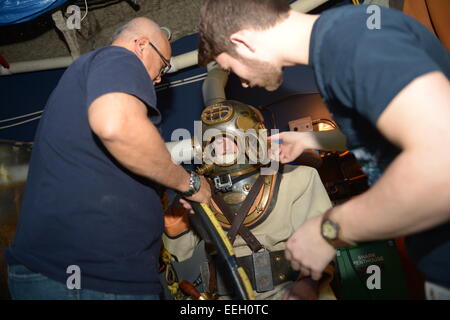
194	185
336	243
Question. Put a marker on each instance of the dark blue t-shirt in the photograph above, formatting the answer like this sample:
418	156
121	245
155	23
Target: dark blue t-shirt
358	72
80	206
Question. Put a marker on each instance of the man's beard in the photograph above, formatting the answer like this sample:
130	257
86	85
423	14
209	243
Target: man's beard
263	74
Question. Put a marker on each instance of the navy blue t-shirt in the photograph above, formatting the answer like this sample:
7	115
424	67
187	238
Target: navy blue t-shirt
358	72
80	206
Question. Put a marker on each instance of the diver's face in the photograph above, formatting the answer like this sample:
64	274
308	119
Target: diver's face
222	151
224	146
253	72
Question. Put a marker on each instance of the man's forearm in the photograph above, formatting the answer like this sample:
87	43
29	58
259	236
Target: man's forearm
324	140
140	149
413	195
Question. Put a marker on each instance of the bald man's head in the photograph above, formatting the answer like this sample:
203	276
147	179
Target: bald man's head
148	42
138	27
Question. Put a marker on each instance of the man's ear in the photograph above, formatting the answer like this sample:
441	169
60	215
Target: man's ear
139	45
243	40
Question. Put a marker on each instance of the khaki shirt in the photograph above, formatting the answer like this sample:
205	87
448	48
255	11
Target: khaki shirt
301	196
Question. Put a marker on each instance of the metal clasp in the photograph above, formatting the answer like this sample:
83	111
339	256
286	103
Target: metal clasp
223	183
263	271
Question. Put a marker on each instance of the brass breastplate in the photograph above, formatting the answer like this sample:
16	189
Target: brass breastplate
262	206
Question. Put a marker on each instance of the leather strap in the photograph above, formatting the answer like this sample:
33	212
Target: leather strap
280	268
396	4
243	231
245	208
212	285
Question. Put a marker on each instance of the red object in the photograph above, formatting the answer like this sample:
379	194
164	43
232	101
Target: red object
189	288
414	278
4	63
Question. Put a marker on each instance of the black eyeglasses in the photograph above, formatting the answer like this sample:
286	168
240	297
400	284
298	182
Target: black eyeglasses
167	64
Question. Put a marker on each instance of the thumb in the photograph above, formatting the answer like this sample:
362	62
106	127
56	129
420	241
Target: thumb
286	294
274	137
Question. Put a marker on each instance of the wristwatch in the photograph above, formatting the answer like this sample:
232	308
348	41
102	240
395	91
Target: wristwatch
194	185
330	232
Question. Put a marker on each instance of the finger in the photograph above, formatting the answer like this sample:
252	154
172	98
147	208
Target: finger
305	272
283	159
276	148
186	204
295	265
276	140
190	210
316	275
287	295
274	155
274	137
288	255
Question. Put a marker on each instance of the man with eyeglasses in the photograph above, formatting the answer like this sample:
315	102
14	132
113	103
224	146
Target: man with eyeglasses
91	220
166	66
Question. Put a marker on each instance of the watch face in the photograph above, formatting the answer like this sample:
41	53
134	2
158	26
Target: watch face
196	183
329	230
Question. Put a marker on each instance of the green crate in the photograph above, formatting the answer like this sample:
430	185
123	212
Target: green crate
359	282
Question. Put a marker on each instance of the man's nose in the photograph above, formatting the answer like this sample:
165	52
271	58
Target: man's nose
157	79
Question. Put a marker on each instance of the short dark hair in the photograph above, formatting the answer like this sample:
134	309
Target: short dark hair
219	19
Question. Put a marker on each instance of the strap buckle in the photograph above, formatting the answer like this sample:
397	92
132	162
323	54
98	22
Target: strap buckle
263	271
223	183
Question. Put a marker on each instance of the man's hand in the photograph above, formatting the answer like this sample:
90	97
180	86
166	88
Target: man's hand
303	289
289	147
203	195
308	251
176	220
